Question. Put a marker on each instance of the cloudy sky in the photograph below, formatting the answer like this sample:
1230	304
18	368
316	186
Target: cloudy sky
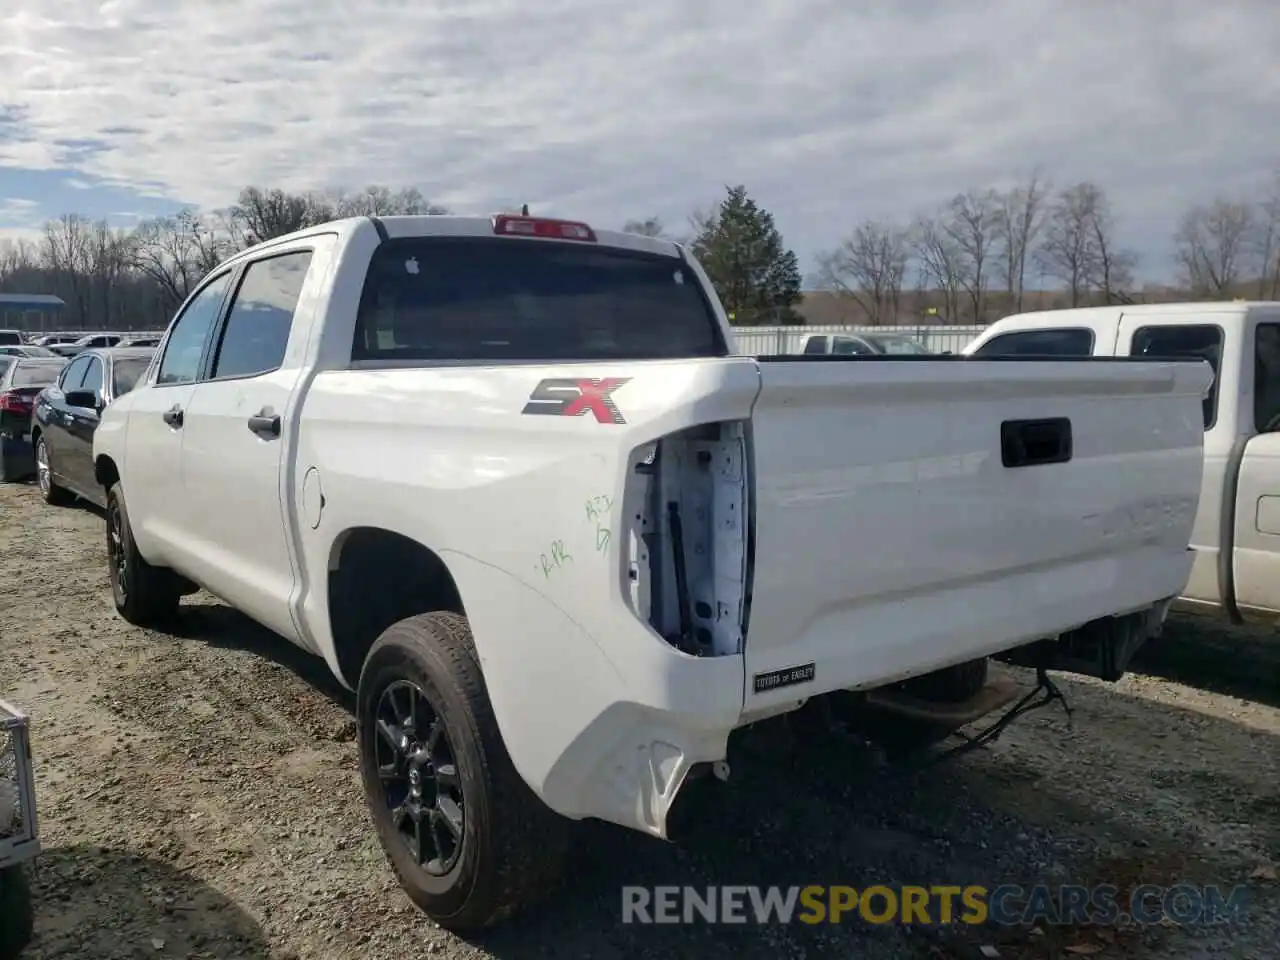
829	111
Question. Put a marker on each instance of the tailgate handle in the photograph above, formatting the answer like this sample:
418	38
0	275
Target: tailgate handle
1030	443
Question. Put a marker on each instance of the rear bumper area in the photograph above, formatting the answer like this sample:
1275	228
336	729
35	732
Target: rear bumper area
605	724
901	637
608	725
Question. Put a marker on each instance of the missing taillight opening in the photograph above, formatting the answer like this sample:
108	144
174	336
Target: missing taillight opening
543	227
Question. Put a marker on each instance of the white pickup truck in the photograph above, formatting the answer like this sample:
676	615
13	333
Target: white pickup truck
1236	534
508	479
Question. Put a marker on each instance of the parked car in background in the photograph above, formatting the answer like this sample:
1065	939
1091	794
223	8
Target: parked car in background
1236	534
10	338
26	350
141	340
863	344
66	416
49	339
20	381
91	341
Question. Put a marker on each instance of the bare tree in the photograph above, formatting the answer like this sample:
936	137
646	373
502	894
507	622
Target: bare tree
1266	242
869	267
971	221
1069	251
648	227
273	213
380	201
1115	266
176	252
65	249
109	260
133	279
941	263
1020	217
1214	246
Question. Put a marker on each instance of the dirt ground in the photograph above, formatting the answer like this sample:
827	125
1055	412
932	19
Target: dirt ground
198	797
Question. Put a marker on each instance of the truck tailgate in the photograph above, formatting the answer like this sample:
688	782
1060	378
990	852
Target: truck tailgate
892	539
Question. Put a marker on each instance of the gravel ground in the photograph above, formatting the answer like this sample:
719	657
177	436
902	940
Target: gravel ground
199	798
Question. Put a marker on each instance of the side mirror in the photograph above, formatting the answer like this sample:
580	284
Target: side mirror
85	399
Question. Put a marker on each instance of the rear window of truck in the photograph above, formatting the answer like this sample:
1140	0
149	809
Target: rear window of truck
498	299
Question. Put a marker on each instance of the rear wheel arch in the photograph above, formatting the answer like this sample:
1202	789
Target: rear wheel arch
105	471
378	577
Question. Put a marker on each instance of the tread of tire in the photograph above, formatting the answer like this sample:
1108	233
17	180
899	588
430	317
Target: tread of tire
154	582
529	838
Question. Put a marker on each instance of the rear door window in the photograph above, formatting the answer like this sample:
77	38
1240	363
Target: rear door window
501	299
1184	341
1066	342
256	333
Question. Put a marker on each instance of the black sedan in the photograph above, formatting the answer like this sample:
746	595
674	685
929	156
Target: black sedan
66	416
21	379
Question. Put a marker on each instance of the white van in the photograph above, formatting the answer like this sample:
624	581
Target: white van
1237	527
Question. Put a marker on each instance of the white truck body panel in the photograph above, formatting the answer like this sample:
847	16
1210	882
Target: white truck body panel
851	515
1240	488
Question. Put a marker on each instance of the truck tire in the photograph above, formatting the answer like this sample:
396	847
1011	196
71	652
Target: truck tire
144	595
17	916
490	847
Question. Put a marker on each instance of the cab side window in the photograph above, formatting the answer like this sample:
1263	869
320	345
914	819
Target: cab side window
182	355
1067	342
1185	342
1266	377
256	333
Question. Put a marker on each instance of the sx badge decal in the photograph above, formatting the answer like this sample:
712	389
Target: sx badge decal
567	397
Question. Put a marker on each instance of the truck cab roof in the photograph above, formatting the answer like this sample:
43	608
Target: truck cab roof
404	226
1106	319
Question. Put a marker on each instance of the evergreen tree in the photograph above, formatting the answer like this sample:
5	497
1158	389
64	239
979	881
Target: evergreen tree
756	276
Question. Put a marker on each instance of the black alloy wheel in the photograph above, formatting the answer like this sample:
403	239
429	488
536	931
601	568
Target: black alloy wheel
417	768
